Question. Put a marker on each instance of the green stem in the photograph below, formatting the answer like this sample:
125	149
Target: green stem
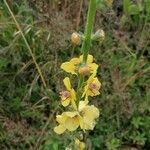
87	41
88	30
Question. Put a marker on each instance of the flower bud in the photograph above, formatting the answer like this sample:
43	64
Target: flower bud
84	70
99	35
75	39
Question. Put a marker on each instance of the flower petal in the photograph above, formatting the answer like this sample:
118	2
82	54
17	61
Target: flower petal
61	118
73	98
67	83
72	123
85	90
73	94
93	67
97	82
71	114
65	102
75	61
90	114
89	58
59	129
68	67
82	105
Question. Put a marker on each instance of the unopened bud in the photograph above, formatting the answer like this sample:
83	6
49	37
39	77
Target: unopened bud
75	39
99	35
84	70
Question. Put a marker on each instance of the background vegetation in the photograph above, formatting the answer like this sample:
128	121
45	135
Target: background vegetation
27	109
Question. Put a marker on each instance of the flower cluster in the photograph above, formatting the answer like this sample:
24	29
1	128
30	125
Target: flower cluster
81	115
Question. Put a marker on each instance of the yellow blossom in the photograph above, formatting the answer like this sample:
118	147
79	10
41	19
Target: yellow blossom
88	115
92	87
80	145
75	64
67	121
84	117
68	96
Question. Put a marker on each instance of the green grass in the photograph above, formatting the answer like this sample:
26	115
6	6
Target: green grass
28	110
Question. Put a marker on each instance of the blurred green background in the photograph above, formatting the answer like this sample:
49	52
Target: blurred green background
28	110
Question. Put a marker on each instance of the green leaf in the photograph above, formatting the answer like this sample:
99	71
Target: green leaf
126	4
133	10
137	122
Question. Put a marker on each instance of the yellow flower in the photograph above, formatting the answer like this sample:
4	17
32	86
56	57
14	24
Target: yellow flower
75	64
88	115
92	87
68	96
80	145
67	121
84	117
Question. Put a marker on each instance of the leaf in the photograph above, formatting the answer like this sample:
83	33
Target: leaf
137	122
126	4
133	10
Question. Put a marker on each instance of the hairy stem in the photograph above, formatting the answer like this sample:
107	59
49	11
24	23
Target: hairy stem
87	41
88	30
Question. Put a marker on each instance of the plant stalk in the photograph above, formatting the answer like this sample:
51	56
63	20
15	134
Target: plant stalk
87	41
88	30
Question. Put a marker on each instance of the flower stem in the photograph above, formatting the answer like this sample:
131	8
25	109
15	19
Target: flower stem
87	41
88	30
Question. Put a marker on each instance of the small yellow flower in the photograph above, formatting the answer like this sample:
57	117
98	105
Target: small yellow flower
84	117
92	87
75	64
67	121
68	96
88	115
80	145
